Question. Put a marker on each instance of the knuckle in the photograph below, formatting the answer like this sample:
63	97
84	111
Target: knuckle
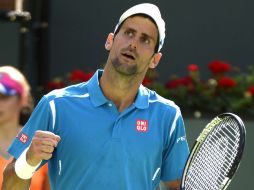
48	156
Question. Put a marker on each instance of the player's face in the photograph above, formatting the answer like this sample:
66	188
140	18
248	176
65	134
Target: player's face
9	107
132	49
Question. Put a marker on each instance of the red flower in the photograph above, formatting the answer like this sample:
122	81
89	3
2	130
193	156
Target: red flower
147	81
227	82
80	76
251	90
193	68
186	81
55	84
218	66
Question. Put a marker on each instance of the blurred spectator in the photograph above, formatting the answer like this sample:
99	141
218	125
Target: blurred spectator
16	105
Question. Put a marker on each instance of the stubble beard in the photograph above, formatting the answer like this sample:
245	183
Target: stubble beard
124	68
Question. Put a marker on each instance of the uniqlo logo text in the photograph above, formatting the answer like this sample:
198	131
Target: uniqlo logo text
142	125
23	138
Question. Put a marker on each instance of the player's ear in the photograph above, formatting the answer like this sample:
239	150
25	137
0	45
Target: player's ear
155	60
109	41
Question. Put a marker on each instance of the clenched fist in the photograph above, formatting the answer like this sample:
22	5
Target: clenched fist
42	147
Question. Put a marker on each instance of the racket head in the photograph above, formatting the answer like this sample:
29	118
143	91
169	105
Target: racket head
211	163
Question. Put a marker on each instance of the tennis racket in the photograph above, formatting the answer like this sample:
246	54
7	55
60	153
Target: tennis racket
216	154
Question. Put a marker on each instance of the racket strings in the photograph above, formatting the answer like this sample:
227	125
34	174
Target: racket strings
230	144
213	168
215	157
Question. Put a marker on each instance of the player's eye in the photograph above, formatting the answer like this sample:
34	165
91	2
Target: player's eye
129	33
145	40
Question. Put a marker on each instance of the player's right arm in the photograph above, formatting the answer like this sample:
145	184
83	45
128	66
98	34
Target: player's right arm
11	180
41	148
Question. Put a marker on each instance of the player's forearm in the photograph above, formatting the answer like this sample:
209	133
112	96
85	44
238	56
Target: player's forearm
11	181
171	185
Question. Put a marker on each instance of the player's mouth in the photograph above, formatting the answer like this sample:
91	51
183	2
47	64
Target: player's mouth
128	56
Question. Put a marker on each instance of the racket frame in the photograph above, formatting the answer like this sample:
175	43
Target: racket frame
202	137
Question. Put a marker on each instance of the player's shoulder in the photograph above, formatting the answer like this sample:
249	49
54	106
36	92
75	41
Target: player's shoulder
158	100
75	90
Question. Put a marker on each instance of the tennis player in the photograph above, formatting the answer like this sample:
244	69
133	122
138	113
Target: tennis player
110	132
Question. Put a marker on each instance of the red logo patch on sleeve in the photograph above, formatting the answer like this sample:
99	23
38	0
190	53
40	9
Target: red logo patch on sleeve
22	137
142	125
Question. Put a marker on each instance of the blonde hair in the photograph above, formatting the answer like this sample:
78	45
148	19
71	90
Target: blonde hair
26	97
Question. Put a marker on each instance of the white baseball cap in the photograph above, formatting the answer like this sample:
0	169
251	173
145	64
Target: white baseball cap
150	10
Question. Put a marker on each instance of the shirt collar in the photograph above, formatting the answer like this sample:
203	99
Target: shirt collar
97	97
142	99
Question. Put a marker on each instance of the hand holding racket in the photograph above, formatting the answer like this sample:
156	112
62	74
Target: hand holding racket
216	154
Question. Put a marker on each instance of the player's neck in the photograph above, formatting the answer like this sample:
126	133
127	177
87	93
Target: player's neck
121	91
